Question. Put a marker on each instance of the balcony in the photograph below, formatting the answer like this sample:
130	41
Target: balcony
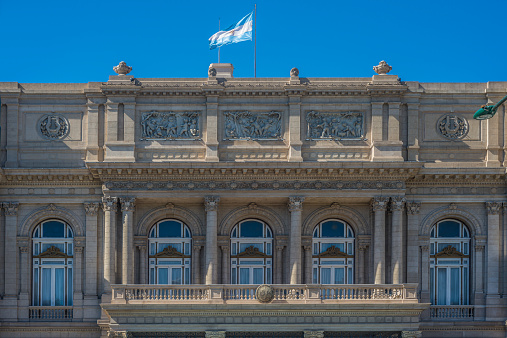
50	313
452	312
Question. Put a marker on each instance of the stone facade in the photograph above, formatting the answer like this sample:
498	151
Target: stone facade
387	158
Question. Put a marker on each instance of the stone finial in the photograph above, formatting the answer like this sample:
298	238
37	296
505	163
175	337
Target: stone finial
212	72
294	72
122	68
383	68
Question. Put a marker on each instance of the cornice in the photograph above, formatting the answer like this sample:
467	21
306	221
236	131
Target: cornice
56	177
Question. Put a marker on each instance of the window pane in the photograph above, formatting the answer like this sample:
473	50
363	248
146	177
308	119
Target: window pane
70	281
234	276
465	286
339	276
268	248
59	287
442	287
268	275
258	275
244	276
325	276
251	229
233	249
169	229
152	276
163	276
36	287
448	229
350	276
187	275
53	229
333	229
455	286
46	287
315	271
176	276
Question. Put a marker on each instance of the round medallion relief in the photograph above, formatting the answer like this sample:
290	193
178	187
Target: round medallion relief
265	293
452	127
53	127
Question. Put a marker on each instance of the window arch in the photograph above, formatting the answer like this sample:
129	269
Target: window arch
170	252
52	258
449	263
333	253
251	252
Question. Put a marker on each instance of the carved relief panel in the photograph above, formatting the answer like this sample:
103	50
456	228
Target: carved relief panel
170	125
335	125
245	125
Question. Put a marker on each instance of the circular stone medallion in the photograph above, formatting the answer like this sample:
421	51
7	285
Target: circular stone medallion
265	293
53	127
452	127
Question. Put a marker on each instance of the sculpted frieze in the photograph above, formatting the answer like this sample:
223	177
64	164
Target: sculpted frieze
335	125
252	125
170	125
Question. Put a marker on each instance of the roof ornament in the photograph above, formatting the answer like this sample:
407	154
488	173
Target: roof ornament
122	68
383	68
294	72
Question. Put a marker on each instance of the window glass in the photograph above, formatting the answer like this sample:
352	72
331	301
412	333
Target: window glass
169	229
251	229
333	229
449	229
53	229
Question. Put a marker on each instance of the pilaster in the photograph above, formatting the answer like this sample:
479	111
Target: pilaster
494	310
397	271
413	131
413	220
295	142
211	136
90	288
211	206
295	208
110	206
93	151
196	264
379	206
24	284
226	259
127	208
12	130
10	257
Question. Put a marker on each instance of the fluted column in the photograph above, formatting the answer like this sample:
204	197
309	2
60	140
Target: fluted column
379	205
308	264
11	253
295	208
196	264
397	204
413	209
278	269
127	209
226	258
110	205
211	205
143	259
493	248
91	210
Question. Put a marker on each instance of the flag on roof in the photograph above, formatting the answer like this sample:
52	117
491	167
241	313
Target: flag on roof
241	31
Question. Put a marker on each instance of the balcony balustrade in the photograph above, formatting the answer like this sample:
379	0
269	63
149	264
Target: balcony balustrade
452	312
50	313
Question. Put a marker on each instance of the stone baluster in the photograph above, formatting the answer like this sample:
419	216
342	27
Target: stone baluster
413	209
397	204
127	209
308	264
91	210
110	205
379	205
295	208
11	253
211	205
196	264
143	259
226	259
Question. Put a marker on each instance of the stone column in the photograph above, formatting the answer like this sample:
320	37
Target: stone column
226	259
143	259
308	264
493	248
110	205
393	133
295	208
379	205
397	274
413	209
211	205
425	271
196	264
127	209
278	269
91	209
11	252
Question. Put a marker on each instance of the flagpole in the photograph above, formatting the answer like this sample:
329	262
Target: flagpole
255	42
219	46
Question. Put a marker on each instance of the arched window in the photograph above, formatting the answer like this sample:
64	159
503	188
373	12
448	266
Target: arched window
333	253
170	244
251	252
449	263
52	258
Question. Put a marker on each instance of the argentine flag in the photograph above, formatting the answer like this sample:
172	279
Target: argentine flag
242	31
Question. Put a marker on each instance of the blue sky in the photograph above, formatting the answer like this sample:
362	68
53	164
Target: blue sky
426	41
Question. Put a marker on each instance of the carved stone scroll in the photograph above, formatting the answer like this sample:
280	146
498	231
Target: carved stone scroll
170	126
335	125
252	125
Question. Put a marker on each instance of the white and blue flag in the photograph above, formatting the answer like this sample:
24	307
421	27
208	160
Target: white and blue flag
241	31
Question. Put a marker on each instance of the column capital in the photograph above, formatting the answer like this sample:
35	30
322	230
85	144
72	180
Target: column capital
225	248
425	248
397	203
493	208
307	247
379	203
296	203
363	247
10	208
142	247
211	203
91	208
109	203
479	247
23	243
127	203
413	207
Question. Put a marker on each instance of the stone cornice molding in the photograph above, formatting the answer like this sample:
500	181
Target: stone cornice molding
43	213
458	213
252	211
175	212
52	177
473	178
347	214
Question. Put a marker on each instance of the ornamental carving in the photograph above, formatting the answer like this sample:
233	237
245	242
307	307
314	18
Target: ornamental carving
265	293
122	68
332	252
91	209
252	252
109	203
212	72
169	252
127	204
397	203
379	203
450	252
170	126
53	252
214	334
294	72
413	208
10	208
314	334
253	126
452	127
383	68
493	207
345	125
296	203
211	203
53	127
